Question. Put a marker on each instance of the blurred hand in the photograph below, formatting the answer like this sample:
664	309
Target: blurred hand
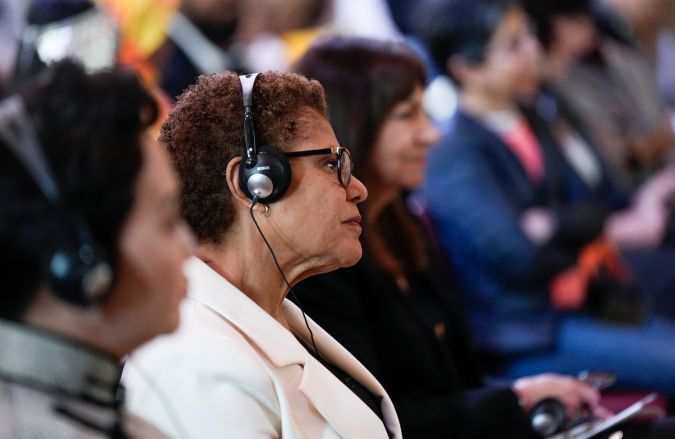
572	393
538	224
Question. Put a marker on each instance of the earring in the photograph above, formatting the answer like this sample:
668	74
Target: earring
266	211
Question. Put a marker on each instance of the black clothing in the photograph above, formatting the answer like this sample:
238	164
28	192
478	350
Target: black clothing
430	373
373	402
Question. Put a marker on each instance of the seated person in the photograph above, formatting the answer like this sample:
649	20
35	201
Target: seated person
269	192
395	310
612	85
505	219
91	244
639	220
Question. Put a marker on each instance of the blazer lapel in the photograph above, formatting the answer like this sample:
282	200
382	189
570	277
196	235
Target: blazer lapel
223	298
329	395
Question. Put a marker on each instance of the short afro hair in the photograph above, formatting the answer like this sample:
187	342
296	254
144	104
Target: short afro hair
205	131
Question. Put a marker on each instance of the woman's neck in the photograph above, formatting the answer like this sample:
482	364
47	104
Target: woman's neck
85	325
380	196
253	272
479	104
557	63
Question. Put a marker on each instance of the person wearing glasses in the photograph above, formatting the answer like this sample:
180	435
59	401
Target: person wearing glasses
246	362
528	255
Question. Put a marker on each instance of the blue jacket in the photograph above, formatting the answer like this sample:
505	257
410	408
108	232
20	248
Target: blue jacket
475	192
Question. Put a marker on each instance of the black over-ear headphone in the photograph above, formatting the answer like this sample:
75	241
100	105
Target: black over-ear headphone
78	272
264	172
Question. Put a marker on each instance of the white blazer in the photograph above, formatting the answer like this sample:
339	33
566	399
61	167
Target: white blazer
232	371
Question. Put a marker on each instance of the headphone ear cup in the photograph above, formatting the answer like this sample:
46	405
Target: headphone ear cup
547	417
268	178
78	271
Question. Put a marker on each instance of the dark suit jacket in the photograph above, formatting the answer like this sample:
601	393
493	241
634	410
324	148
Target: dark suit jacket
551	107
476	191
432	381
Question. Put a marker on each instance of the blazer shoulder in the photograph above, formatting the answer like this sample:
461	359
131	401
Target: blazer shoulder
209	349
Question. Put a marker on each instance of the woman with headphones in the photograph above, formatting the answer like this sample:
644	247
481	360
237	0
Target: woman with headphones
91	245
269	192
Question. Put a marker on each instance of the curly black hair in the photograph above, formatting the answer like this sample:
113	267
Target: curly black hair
89	127
205	131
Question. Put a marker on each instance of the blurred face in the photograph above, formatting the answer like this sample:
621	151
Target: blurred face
399	157
318	219
643	15
154	243
511	66
217	19
573	34
278	16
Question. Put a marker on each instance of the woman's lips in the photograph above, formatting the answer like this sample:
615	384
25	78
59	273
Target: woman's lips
355	220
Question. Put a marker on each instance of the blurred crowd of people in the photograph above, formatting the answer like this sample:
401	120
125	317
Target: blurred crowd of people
421	218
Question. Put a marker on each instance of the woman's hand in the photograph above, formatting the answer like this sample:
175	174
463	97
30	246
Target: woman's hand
572	393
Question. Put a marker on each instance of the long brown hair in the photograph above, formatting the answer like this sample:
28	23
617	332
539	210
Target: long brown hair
364	80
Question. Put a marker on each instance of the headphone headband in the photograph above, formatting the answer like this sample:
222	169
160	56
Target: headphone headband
19	136
78	270
247	84
264	172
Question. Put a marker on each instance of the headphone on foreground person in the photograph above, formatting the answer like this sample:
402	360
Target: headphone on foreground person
78	271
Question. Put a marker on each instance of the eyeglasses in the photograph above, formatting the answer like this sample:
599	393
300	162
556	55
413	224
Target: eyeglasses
344	160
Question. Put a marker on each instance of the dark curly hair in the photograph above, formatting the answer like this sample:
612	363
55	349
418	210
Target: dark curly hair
205	131
543	14
89	127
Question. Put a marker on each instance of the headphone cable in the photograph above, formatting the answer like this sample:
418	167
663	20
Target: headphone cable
283	276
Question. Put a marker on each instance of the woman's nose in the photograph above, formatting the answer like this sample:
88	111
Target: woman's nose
356	190
428	134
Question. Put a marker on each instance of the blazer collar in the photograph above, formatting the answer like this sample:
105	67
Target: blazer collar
218	294
282	349
334	352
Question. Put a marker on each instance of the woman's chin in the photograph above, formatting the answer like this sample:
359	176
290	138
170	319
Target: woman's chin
169	323
351	256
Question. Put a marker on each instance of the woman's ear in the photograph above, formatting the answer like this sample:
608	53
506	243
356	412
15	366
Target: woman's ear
232	177
459	69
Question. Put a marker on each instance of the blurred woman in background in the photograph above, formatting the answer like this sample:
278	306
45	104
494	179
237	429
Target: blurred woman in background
395	310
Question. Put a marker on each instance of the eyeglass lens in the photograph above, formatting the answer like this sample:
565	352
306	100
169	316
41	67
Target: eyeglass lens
345	165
